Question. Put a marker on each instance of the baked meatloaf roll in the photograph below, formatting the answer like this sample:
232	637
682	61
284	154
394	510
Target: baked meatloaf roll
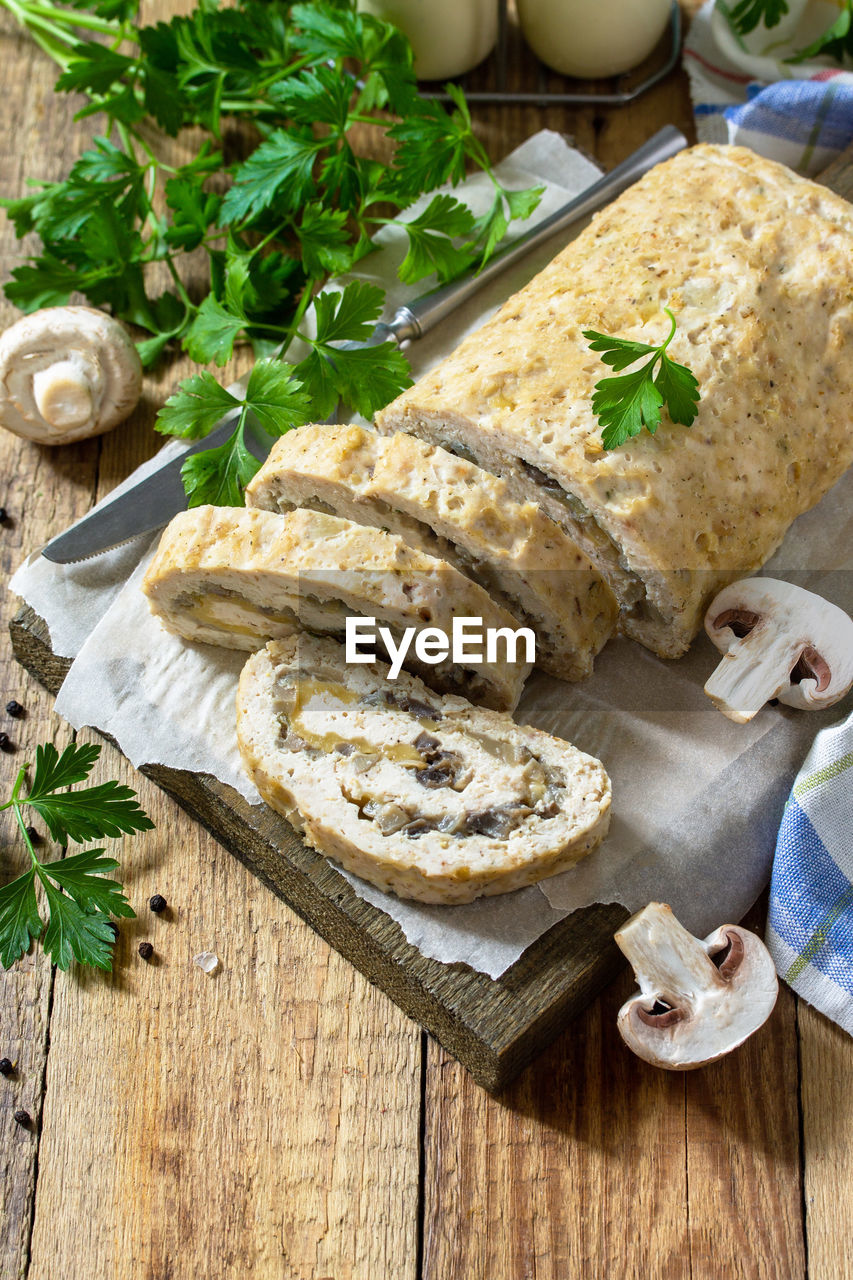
452	509
756	264
420	794
234	577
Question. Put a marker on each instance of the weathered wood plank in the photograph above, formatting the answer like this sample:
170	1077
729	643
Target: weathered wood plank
41	491
826	1063
743	1167
577	1170
592	1163
259	1122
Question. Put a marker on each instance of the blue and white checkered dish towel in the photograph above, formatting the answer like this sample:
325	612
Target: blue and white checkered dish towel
744	91
810	927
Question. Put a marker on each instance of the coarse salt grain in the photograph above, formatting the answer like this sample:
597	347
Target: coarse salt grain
207	961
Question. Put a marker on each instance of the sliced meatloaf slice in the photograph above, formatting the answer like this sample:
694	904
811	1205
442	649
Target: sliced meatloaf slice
238	577
452	509
423	795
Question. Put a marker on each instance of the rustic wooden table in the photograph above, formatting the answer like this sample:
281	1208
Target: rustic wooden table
284	1120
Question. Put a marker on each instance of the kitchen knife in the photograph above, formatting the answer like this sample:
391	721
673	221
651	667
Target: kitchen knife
149	505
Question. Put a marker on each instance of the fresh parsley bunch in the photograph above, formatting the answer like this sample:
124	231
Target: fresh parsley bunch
79	898
273	224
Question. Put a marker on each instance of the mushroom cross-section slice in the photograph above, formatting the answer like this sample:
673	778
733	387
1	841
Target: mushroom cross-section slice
67	373
780	641
697	1000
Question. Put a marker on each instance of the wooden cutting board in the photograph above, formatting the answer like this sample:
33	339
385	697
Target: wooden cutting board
493	1026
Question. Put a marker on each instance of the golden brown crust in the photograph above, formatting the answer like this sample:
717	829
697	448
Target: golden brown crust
757	265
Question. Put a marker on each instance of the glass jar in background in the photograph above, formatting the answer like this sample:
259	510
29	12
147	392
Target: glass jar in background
448	37
593	38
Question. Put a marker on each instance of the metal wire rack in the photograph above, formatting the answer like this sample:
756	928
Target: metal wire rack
496	82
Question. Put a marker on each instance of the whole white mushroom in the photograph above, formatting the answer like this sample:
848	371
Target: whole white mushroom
67	373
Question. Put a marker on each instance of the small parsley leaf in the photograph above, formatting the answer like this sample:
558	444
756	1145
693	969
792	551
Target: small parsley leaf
324	241
275	397
94	68
105	810
74	933
617	352
491	227
196	407
522	204
213	332
194	211
19	918
349	315
625	405
433	145
431	248
746	15
321	95
219	476
278	172
680	391
82	877
54	770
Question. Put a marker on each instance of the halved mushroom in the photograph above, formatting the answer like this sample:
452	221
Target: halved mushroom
697	1000
67	373
780	641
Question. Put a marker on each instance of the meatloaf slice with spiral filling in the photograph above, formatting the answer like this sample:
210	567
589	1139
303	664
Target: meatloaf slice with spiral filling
423	795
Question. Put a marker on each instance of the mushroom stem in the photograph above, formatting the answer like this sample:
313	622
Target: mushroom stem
63	395
755	669
668	961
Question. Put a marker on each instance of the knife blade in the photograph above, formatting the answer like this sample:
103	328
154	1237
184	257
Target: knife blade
150	504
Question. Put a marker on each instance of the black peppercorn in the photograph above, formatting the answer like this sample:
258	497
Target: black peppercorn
146	950
5	742
35	837
15	709
23	1118
7	1068
158	903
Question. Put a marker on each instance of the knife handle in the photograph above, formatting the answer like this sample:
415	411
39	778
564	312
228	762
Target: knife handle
418	317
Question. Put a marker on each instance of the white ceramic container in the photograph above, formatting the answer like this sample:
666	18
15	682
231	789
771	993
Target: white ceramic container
448	37
593	38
